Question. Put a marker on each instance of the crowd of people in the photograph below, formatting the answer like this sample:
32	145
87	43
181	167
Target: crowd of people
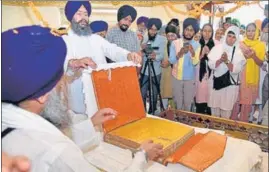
221	73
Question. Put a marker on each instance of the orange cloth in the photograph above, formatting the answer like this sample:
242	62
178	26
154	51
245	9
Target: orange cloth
200	151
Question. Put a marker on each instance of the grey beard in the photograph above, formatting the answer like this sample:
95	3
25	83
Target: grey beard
264	37
55	111
80	31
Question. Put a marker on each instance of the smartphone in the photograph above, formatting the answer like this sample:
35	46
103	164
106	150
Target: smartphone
186	44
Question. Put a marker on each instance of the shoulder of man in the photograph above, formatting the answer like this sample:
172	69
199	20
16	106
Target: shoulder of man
161	37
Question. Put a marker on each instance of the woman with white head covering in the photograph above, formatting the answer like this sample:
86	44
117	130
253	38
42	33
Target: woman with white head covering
227	61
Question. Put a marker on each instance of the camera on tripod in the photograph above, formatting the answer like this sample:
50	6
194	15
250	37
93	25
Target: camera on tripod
149	49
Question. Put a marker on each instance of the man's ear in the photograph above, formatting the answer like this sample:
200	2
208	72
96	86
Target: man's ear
43	99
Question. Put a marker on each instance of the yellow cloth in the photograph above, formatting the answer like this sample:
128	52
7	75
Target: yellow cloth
159	131
252	69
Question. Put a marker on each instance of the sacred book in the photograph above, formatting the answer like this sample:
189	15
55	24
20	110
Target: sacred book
116	86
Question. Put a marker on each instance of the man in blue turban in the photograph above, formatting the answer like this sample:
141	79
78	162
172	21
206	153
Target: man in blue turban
30	74
84	50
32	77
99	27
87	50
184	55
141	23
159	42
121	35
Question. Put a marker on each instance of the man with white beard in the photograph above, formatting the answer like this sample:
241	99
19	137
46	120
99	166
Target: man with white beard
86	49
30	75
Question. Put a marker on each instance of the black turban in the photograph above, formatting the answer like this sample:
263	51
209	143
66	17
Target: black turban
170	29
191	22
125	11
154	21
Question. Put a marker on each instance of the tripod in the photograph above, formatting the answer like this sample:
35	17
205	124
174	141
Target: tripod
149	65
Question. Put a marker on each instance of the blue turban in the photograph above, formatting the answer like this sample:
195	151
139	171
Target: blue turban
72	7
142	19
154	21
98	26
191	22
126	10
264	22
32	62
243	27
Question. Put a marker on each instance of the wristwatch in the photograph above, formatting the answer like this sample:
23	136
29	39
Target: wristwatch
227	61
140	150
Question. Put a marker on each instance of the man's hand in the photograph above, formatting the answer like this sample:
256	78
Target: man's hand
165	64
181	53
17	163
103	115
134	57
153	150
143	46
191	50
82	63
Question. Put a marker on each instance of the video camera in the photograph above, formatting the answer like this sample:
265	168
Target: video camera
149	49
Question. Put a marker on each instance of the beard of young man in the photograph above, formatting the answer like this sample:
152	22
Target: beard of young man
152	36
188	37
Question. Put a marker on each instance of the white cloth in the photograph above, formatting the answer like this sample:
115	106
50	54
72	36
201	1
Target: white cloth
48	149
239	156
262	76
95	47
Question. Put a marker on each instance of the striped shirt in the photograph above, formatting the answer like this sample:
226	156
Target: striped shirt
127	40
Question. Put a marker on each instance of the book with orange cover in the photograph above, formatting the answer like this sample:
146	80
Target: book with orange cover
119	89
200	151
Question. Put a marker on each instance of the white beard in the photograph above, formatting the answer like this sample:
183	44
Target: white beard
55	110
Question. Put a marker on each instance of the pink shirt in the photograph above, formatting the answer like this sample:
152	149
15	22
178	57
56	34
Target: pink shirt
202	91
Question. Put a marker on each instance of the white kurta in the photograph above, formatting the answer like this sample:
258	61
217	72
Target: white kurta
48	149
95	47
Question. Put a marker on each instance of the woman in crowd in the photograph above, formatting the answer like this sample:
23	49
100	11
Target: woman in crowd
226	61
254	51
218	36
203	71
